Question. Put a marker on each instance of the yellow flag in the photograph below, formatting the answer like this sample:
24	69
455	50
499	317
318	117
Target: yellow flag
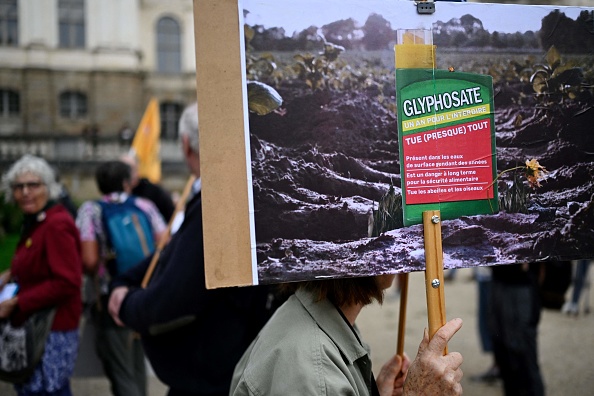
146	146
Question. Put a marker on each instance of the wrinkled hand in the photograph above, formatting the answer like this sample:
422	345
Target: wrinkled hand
431	373
115	302
390	380
7	306
4	278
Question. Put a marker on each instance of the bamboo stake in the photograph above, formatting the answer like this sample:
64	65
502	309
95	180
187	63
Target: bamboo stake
434	284
402	314
165	238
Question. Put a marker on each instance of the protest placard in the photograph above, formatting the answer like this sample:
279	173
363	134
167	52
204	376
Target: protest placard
291	188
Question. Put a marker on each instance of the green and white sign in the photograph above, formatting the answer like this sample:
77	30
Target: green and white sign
447	143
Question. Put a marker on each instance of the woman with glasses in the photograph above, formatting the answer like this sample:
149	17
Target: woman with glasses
47	268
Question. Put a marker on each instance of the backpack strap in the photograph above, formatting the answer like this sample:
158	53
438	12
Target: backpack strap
110	254
144	244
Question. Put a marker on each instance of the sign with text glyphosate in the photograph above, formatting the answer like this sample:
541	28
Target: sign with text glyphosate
447	143
318	154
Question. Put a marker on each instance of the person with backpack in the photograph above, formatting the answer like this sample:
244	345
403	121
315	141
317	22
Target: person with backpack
117	232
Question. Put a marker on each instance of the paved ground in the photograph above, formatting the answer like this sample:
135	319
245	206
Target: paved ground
566	343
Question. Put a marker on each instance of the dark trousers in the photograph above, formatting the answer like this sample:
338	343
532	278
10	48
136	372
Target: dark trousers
515	313
581	273
484	289
121	354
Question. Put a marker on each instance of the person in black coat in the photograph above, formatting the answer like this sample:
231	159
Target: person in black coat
143	187
192	336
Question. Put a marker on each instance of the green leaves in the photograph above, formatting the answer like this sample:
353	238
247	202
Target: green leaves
515	198
554	82
262	98
388	215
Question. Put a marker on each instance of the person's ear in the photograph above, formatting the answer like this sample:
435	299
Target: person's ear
127	185
186	149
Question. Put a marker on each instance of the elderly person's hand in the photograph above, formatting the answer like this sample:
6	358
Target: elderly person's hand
4	278
431	373
7	306
115	302
390	380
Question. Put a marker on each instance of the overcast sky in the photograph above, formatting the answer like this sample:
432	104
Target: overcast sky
296	15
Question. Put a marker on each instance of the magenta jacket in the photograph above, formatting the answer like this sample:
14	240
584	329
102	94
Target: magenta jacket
47	265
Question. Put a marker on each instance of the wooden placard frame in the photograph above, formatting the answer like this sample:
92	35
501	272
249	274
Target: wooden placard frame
229	237
223	146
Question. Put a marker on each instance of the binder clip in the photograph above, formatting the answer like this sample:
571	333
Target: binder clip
425	6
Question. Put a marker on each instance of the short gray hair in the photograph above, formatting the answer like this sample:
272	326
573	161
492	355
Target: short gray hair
188	126
31	164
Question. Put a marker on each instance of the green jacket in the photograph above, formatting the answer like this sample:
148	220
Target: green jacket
306	348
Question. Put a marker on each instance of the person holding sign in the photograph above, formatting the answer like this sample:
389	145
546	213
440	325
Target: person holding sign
311	346
192	336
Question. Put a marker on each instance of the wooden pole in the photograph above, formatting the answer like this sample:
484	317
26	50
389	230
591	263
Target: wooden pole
434	284
165	238
403	279
414	50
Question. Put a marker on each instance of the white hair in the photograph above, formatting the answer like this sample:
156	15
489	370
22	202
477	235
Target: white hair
35	165
188	126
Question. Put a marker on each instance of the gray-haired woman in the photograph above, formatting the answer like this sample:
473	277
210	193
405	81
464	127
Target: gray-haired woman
47	267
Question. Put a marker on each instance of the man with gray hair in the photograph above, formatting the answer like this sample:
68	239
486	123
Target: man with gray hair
188	127
192	336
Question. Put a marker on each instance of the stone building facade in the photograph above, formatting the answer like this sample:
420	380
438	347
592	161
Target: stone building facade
80	68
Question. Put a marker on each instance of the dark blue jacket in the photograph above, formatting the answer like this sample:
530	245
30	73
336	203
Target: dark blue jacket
192	336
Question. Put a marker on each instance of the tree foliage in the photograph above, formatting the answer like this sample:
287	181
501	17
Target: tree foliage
569	36
378	33
341	32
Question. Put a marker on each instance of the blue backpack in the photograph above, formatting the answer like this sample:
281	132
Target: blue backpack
129	234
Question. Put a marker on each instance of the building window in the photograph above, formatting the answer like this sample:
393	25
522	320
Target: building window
170	113
73	104
71	14
8	23
9	103
168	46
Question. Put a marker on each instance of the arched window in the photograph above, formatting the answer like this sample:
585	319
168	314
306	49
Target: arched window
170	113
73	104
168	46
9	23
71	20
9	103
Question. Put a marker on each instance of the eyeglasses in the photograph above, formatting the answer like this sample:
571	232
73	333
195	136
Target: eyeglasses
28	185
